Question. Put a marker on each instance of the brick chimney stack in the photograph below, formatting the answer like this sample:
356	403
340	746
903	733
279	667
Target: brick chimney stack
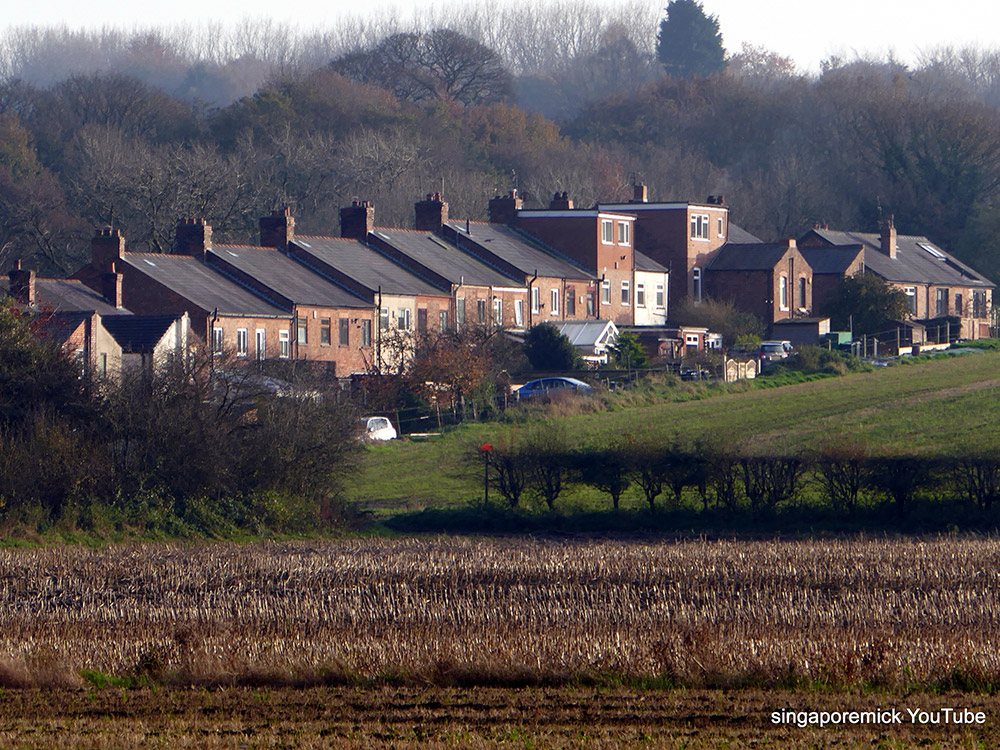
193	237
106	247
561	202
503	209
111	287
22	284
357	220
430	214
639	194
889	237
278	229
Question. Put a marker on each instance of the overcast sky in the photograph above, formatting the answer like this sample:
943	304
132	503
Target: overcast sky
806	30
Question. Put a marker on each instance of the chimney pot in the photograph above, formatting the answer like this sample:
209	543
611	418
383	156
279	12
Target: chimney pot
193	237
278	229
111	287
888	238
106	246
503	209
430	214
22	284
357	220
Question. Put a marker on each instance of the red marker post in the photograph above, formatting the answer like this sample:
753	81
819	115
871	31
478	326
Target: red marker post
486	449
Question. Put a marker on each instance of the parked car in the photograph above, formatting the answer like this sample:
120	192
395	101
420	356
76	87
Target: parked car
551	386
773	350
698	374
377	429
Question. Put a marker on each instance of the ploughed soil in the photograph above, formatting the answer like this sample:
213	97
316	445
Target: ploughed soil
394	717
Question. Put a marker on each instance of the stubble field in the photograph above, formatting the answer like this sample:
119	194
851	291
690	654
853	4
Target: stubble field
533	623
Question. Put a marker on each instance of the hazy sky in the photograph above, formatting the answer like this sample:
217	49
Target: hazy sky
806	30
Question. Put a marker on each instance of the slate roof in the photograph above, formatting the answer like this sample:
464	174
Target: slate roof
525	253
202	285
287	277
758	256
913	263
366	266
740	236
644	263
69	295
138	333
64	324
444	259
832	260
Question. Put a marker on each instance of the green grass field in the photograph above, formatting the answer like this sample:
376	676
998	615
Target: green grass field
924	407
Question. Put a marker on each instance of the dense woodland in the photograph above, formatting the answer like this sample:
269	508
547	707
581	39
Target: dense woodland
137	129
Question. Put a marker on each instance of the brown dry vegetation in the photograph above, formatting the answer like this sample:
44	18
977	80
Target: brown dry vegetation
891	613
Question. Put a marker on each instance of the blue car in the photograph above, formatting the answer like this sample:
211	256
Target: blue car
552	386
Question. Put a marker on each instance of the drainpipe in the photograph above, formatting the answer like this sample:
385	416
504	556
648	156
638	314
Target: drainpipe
211	345
531	309
378	338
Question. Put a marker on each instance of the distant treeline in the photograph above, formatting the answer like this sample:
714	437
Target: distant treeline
139	129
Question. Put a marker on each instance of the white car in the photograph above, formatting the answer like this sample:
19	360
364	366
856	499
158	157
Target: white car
376	429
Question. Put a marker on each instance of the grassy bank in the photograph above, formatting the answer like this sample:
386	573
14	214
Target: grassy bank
920	408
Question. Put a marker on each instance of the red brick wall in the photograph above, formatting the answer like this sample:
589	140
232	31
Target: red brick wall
751	291
664	234
758	292
579	237
473	294
353	358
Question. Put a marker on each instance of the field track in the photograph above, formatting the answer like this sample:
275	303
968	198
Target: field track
466	718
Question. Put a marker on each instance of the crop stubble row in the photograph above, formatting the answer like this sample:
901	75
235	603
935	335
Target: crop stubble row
447	610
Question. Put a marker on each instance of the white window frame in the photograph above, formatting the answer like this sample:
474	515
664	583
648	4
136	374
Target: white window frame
626	294
783	292
260	344
607	232
554	300
661	297
218	341
242	342
284	344
302	331
722	227
519	313
498	311
623	233
699	226
911	298
536	299
640	295
606	292
691	339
